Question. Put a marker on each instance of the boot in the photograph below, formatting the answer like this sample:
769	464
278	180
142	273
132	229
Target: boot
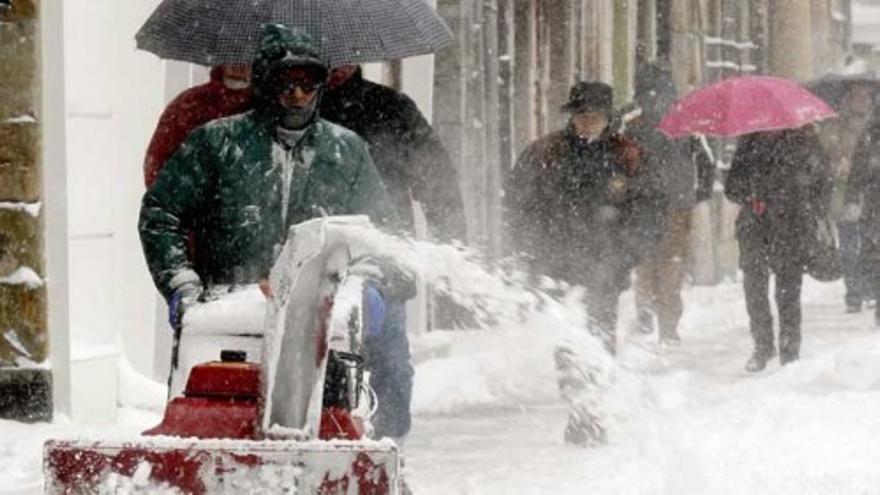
646	321
786	357
789	349
584	430
670	338
759	359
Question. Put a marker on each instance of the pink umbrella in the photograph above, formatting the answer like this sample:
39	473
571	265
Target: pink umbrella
742	105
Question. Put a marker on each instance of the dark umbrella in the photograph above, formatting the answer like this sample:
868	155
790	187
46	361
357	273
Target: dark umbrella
217	32
833	88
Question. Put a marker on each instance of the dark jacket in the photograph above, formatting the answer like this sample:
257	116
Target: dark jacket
682	165
789	173
408	154
195	106
225	185
863	185
685	168
573	206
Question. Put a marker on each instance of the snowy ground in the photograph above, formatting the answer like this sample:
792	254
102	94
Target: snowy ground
684	421
687	420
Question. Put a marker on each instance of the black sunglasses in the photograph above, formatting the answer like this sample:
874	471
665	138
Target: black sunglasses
306	85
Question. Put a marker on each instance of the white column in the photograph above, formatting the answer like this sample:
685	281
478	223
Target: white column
55	196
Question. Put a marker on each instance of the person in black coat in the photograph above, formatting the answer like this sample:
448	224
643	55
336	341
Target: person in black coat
783	181
581	206
412	161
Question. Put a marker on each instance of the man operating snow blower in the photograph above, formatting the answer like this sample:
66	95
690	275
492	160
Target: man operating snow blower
268	394
240	183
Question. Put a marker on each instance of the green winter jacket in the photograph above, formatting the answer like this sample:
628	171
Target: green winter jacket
225	187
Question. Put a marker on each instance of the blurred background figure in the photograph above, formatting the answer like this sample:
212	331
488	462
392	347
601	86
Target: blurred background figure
852	98
226	93
413	163
687	175
863	202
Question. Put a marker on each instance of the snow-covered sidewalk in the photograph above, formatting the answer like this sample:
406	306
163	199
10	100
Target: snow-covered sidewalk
686	420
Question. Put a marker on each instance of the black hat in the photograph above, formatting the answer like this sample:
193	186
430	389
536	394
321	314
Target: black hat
590	97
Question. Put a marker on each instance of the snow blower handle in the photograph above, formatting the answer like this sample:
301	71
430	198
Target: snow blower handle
184	297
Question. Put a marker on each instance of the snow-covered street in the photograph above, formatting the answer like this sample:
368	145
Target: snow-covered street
685	421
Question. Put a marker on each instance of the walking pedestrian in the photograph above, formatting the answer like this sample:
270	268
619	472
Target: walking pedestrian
783	181
687	175
586	188
863	202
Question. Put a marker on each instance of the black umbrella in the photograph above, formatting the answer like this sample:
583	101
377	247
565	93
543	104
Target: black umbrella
217	32
833	88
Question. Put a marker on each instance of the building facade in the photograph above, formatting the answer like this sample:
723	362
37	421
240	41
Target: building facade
77	307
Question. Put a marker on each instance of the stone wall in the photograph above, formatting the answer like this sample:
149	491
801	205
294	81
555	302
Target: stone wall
24	381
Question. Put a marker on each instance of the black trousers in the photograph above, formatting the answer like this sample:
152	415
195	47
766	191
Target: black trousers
756	284
603	288
871	257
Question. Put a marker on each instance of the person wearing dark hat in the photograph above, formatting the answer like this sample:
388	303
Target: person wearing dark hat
582	209
687	174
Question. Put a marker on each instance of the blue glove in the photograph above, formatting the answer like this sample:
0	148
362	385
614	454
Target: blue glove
375	304
174	314
182	299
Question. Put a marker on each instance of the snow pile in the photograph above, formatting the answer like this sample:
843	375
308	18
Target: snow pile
32	209
21	454
23	276
139	392
21	119
238	311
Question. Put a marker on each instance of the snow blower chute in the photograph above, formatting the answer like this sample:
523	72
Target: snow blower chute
273	401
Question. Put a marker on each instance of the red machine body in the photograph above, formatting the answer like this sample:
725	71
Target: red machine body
220	448
221	400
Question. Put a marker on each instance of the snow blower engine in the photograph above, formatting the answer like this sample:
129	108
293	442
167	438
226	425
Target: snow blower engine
283	410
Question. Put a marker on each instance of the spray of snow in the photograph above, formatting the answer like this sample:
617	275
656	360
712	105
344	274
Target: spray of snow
509	365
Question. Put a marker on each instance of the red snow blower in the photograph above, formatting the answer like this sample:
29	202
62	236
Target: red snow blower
211	441
286	422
